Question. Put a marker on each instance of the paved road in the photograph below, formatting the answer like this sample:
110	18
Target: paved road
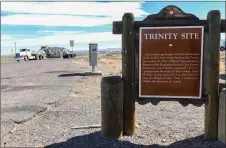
27	88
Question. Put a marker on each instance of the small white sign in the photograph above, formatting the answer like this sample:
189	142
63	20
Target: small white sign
71	42
93	54
11	51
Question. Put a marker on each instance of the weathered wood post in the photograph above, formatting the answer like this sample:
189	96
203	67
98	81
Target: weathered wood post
112	107
213	46
128	74
205	64
222	117
168	17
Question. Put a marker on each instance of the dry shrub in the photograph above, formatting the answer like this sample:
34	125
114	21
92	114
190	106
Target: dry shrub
109	61
7	59
114	54
80	61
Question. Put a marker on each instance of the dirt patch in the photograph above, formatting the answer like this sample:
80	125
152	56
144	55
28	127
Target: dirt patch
113	54
7	59
79	61
110	66
109	61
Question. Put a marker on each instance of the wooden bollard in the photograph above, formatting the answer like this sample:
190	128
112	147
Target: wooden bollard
212	52
222	117
112	107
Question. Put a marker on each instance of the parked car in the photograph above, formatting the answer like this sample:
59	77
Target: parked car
222	46
67	54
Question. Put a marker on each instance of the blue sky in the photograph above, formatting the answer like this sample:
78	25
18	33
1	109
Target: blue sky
33	24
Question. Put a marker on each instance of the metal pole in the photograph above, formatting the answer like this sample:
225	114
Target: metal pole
93	68
15	47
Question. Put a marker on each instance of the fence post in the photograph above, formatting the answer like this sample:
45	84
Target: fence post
222	117
112	107
128	73
212	49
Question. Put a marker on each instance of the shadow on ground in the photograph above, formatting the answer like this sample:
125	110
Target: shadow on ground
222	76
221	86
94	140
72	75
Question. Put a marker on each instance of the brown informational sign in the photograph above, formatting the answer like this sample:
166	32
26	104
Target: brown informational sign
170	62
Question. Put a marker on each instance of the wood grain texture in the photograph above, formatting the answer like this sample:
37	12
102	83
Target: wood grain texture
117	25
222	117
112	107
211	108
128	72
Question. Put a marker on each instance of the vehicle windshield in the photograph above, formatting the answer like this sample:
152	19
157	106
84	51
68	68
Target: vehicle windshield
22	50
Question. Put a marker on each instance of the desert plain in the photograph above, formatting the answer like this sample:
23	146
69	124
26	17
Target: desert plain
42	101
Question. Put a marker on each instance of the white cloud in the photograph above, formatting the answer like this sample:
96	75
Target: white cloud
63	13
75	8
64	39
59	32
54	20
6	37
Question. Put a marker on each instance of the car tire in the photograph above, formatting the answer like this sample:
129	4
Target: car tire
222	49
25	58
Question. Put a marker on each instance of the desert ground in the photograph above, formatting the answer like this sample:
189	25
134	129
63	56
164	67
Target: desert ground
41	102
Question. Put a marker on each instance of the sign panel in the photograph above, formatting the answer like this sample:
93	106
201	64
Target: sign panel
170	62
93	54
71	42
12	51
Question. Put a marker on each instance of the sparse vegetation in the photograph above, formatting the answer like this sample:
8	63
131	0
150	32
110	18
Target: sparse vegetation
7	59
79	108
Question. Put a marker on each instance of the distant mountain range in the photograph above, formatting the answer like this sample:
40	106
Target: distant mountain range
108	49
84	50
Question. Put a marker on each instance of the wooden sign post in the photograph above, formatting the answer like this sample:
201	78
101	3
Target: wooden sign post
171	56
212	60
222	117
128	75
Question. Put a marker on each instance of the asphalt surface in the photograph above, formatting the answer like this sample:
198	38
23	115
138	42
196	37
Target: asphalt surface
28	88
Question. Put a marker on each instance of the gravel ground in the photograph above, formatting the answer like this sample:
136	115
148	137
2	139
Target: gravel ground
165	125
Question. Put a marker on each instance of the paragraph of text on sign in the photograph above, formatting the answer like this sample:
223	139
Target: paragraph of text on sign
170	68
